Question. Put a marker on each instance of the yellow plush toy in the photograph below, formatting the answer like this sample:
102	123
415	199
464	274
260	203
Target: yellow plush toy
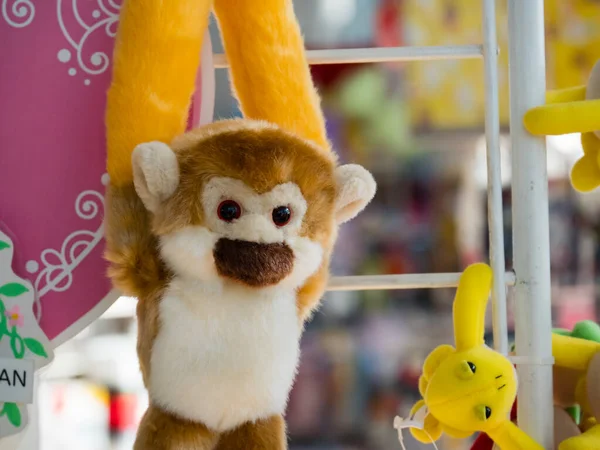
582	358
574	110
470	387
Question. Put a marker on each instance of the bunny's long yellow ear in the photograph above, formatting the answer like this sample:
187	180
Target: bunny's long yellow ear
156	59
269	68
470	305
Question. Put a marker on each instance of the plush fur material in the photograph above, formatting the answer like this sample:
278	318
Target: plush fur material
156	173
163	431
253	263
255	222
224	354
152	84
358	189
230	349
270	78
222	303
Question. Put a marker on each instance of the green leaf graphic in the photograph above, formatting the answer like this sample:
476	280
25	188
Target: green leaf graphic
35	347
13	289
13	414
4	245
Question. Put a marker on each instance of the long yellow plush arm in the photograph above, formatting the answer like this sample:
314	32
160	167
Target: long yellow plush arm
563	118
270	74
574	94
573	353
509	437
156	59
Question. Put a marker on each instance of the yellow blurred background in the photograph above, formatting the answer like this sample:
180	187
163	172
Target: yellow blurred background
572	47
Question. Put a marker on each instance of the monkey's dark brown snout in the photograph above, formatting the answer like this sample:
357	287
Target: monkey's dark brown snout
253	264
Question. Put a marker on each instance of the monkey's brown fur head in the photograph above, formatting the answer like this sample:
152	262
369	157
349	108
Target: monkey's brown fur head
246	202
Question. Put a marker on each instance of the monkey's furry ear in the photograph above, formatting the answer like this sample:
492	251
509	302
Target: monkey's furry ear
356	188
155	173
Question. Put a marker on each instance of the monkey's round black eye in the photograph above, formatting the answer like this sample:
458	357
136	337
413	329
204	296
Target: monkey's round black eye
471	366
282	216
488	412
229	210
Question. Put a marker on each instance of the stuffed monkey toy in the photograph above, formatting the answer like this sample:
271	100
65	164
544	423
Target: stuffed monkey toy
224	233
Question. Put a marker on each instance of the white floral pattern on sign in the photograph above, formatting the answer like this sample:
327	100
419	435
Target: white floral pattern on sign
18	13
104	18
58	265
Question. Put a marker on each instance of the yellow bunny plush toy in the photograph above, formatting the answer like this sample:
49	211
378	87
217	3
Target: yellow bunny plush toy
574	110
468	388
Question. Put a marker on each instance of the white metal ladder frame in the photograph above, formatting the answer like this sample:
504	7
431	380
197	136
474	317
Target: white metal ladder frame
531	243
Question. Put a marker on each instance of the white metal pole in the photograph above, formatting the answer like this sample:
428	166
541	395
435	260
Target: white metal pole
494	178
399	282
531	243
380	54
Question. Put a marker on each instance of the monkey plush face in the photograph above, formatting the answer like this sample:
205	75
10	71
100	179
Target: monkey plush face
245	202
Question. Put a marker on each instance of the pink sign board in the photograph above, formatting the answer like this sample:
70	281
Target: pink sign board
56	69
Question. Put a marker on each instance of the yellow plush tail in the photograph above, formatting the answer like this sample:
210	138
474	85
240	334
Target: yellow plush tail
156	58
269	69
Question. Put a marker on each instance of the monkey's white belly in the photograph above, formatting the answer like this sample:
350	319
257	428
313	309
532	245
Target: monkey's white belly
224	359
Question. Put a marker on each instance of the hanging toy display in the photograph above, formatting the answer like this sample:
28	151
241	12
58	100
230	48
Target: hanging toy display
224	233
469	387
574	110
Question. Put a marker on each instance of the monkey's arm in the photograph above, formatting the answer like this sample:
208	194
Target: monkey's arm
574	94
564	118
156	58
269	69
